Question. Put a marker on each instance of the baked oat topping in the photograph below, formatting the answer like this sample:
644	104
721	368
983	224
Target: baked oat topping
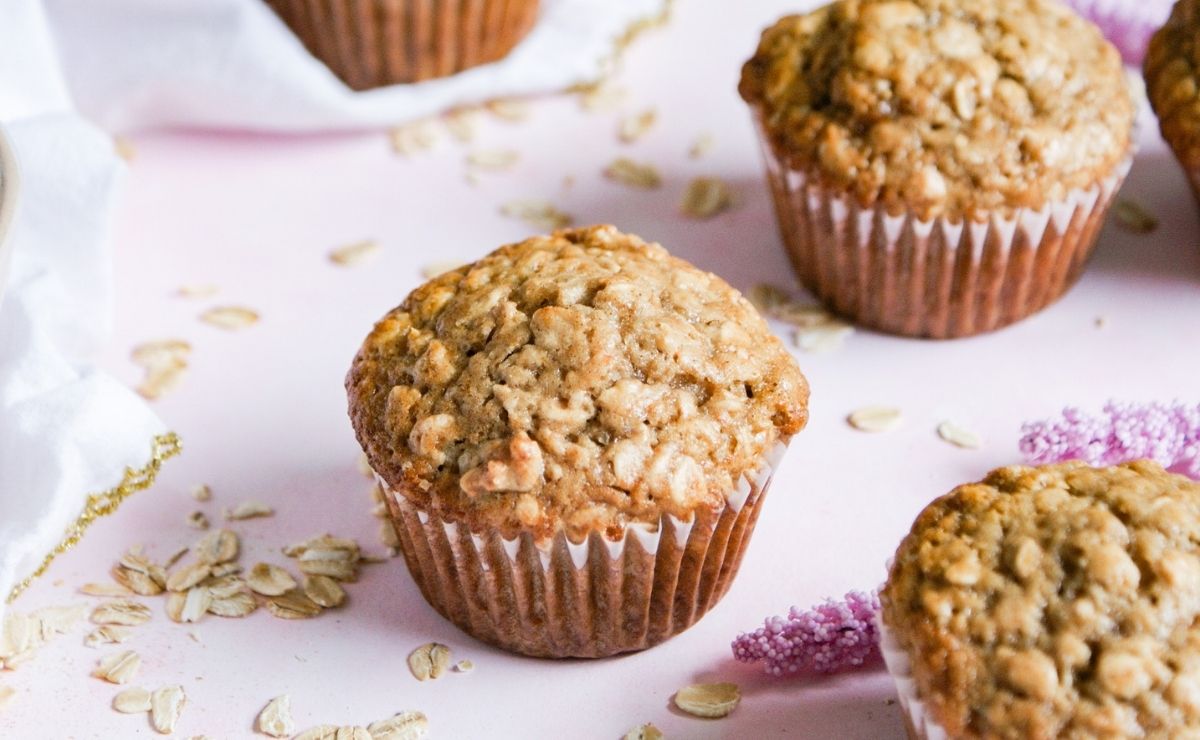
1172	68
944	107
1061	601
584	380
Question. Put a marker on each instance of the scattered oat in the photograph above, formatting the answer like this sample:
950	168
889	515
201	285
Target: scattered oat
165	705
219	546
104	589
118	668
270	580
540	214
57	620
1100	322
276	718
196	604
805	315
324	591
320	732
124	148
493	159
176	557
235	605
702	145
766	297
230	318
1133	217
710	700
874	418
403	726
602	97
327	556
121	611
249	510
411	138
201	492
645	732
174	606
188	576
197	520
429	272
823	338
429	661
633	174
226	569
464	666
705	197
461	123
355	254
637	125
196	290
164	362
108	634
132	701
139	574
7	695
293	605
959	436
508	109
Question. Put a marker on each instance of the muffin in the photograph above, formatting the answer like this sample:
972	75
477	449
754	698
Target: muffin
1059	601
371	43
1171	68
574	437
939	168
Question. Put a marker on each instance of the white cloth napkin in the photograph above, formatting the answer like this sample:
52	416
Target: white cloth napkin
134	64
67	429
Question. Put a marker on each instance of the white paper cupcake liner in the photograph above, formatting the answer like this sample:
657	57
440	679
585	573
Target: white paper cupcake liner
933	278
589	599
918	722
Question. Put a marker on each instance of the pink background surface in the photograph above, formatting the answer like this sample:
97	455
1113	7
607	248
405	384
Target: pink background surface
262	411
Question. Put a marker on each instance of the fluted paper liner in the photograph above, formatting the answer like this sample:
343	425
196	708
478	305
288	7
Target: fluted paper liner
369	43
585	600
933	278
918	722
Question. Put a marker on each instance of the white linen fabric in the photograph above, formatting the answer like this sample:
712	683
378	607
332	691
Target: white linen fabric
135	64
73	72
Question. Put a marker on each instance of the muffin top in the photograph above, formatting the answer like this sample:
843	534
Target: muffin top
1171	66
578	381
1055	601
952	108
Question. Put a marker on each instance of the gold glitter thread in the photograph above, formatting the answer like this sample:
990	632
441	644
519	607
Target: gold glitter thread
622	42
165	447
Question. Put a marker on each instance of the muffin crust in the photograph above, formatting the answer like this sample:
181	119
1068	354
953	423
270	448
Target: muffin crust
1171	67
951	108
579	381
1060	601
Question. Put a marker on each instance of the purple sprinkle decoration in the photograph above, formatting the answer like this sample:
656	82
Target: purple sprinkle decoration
1128	24
1169	434
834	636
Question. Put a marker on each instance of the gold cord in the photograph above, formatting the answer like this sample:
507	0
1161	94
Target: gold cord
635	29
101	504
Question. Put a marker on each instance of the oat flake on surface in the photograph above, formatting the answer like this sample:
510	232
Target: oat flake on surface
633	174
429	661
875	418
230	318
409	725
275	719
959	436
165	706
711	700
132	701
644	732
355	253
119	667
269	580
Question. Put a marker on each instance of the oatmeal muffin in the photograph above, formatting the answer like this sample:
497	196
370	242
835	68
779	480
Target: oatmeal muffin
1171	82
1060	601
574	436
939	168
371	43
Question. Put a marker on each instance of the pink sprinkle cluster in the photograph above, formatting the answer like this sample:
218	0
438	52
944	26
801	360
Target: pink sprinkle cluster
833	636
1169	434
1128	24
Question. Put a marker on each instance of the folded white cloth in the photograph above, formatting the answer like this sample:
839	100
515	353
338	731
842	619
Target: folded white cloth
67	429
135	64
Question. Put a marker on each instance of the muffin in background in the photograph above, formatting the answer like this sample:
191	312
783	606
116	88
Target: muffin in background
1058	601
1171	68
372	43
574	437
939	168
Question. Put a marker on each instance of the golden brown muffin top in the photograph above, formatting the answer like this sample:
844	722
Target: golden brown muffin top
943	107
582	381
1060	601
1171	65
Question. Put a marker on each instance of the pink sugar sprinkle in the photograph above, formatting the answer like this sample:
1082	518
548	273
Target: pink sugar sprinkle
1128	24
834	636
1169	434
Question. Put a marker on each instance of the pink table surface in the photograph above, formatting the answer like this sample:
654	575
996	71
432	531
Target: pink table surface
262	411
